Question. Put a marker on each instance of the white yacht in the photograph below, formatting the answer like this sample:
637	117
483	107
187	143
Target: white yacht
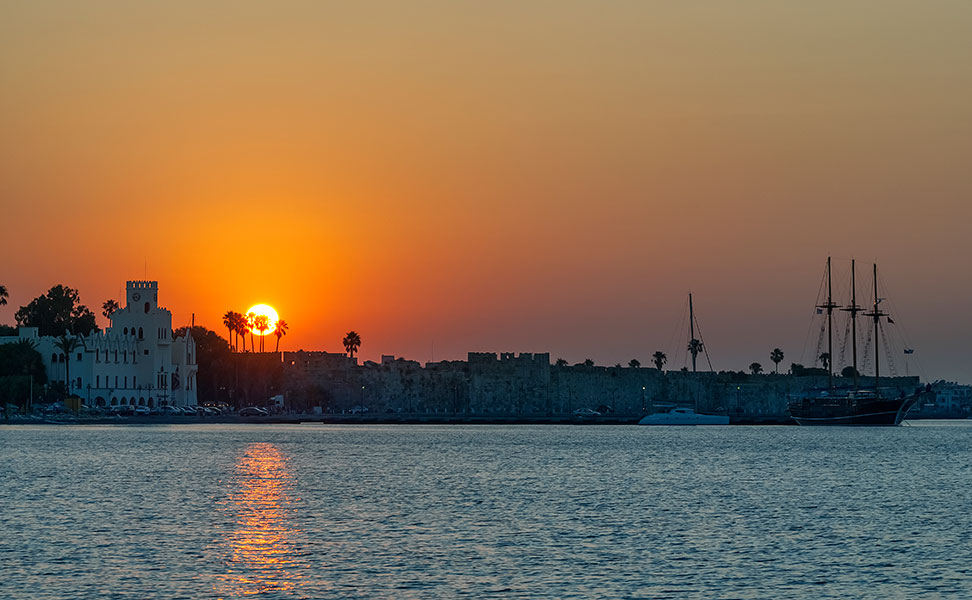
683	416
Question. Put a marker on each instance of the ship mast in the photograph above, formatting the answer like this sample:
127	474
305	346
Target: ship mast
853	309
830	306
876	314
692	344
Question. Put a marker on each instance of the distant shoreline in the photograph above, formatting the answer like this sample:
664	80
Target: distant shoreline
385	419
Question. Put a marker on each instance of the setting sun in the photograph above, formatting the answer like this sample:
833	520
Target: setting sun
267	311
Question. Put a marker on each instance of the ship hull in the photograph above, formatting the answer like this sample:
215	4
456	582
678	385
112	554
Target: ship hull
844	411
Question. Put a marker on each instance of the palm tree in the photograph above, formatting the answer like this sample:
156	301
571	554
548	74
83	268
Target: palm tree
66	344
588	362
109	308
561	362
250	325
3	295
241	330
695	347
261	323
229	321
280	332
659	359
634	363
825	360
756	368
776	356
352	341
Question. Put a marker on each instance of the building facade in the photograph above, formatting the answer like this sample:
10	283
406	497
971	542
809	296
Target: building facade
136	361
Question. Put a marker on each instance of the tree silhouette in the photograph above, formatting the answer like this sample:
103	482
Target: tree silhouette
241	329
109	308
588	363
634	363
825	360
695	347
261	323
561	362
776	356
280	332
3	295
351	341
57	311
67	344
229	321
756	368
659	359
250	326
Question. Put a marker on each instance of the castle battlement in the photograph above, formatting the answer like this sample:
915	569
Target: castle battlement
141	284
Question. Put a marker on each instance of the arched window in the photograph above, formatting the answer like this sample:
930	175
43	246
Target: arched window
140	336
147	306
141	401
126	331
79	382
114	401
116	357
151	402
99	401
54	357
124	400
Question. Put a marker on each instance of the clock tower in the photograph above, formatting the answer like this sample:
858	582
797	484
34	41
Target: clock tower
143	296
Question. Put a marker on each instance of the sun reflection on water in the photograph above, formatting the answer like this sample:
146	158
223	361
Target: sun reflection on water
261	552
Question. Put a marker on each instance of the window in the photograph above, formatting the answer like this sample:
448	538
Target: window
140	336
116	380
147	306
126	380
126	331
116	357
97	380
133	381
146	352
54	357
79	382
79	357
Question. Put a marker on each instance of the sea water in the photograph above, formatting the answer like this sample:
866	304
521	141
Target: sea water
315	511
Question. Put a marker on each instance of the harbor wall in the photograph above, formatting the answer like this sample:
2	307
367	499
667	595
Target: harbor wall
489	384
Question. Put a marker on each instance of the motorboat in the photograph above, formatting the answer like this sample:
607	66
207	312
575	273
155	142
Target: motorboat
683	416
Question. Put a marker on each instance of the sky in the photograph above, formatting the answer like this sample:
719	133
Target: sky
449	176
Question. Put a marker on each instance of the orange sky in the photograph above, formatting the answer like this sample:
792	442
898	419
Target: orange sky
521	176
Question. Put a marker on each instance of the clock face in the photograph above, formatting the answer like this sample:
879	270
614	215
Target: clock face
136	296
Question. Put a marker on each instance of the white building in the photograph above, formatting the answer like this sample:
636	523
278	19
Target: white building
136	361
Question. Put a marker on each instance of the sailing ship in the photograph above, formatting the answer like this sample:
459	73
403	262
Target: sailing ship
682	415
855	405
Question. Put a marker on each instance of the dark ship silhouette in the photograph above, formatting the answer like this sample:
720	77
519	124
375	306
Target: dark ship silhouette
855	405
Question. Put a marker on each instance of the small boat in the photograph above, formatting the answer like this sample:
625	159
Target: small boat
683	416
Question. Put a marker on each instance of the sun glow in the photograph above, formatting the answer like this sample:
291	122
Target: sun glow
269	313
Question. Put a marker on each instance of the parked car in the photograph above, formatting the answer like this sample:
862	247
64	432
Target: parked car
585	413
189	410
122	410
254	411
359	410
171	410
142	411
